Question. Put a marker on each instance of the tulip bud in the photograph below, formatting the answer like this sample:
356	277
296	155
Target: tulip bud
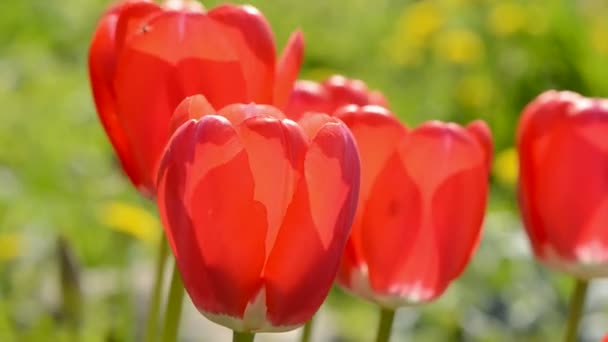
328	96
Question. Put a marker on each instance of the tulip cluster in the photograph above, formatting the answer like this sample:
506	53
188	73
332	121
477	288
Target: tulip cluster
270	189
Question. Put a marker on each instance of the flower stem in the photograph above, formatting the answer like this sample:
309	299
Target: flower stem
154	306
307	331
173	312
577	302
386	325
238	336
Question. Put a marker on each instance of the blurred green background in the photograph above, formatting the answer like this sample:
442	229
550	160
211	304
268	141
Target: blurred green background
454	60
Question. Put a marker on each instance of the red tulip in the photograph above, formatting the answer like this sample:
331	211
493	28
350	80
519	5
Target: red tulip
563	188
145	59
328	96
257	210
421	205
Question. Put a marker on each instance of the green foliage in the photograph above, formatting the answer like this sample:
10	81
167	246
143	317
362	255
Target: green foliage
446	59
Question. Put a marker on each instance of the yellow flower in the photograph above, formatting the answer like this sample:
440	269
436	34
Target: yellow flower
599	36
506	167
10	247
459	46
419	21
506	18
414	28
131	220
475	91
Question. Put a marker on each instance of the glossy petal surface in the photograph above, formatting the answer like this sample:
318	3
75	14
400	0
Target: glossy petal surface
413	233
378	133
561	142
258	210
103	52
305	258
145	59
251	37
220	271
288	68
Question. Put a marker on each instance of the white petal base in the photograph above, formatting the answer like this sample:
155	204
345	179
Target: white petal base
254	320
400	294
591	262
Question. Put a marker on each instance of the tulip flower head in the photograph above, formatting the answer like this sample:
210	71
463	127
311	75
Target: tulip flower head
328	96
146	58
563	186
421	205
257	209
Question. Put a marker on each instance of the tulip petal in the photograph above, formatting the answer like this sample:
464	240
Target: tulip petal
377	133
537	120
276	151
238	112
316	225
432	155
343	91
183	5
437	150
250	35
178	56
378	99
205	179
390	226
480	131
307	96
564	202
193	107
102	63
287	69
133	20
457	222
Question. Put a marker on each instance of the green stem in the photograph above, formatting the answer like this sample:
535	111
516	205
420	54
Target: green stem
577	302
173	311
154	308
238	336
307	331
386	325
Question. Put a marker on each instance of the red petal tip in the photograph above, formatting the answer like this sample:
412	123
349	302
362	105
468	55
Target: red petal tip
192	107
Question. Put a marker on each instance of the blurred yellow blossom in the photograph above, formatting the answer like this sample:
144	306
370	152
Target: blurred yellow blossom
459	46
599	36
475	91
10	246
413	29
506	18
505	167
419	21
131	220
